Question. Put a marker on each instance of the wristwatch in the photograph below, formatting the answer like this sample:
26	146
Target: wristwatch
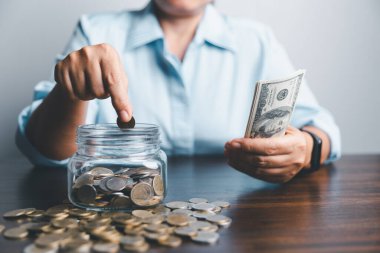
315	153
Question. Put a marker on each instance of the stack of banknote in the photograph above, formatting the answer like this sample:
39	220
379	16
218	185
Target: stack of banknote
272	106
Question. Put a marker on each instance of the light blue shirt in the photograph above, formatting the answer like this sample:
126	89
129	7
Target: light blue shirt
199	103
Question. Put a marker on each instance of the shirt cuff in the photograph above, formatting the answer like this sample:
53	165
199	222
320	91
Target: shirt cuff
332	131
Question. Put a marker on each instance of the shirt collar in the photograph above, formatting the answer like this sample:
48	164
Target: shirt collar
144	28
212	29
215	30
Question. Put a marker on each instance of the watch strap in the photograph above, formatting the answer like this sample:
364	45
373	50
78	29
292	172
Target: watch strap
315	161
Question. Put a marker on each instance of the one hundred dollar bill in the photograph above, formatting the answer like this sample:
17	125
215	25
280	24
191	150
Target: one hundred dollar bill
272	106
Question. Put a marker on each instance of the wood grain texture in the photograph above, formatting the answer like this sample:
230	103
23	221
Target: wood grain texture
336	209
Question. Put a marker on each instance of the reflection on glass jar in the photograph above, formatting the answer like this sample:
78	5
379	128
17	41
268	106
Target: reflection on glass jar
117	169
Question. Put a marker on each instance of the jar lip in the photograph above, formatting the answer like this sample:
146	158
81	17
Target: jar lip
113	128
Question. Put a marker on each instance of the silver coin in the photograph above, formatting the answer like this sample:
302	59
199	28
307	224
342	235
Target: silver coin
101	171
198	200
184	211
206	237
116	183
204	206
222	204
177	205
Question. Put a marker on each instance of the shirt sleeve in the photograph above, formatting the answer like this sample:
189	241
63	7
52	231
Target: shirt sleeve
41	90
307	111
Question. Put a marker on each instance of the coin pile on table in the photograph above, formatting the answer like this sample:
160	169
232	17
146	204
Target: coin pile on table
66	228
118	188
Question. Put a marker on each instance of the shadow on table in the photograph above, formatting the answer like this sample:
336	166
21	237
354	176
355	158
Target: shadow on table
43	187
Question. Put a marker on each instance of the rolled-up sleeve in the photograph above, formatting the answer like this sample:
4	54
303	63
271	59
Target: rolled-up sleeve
41	90
307	111
78	40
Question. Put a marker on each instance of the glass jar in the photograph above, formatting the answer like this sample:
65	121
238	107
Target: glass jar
117	169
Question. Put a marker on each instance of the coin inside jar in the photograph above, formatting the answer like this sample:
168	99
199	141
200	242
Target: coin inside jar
116	183
141	194
86	194
158	185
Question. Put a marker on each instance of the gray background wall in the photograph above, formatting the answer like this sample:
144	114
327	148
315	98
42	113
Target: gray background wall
337	41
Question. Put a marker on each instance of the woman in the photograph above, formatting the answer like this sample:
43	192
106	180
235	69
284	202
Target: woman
185	67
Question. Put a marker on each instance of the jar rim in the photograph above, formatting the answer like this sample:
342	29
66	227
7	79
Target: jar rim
113	128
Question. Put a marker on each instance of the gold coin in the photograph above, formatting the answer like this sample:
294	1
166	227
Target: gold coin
142	214
96	227
48	240
123	218
141	248
141	194
54	230
76	245
158	185
121	202
157	228
83	179
133	231
201	225
36	214
178	219
66	223
132	240
18	213
63	208
161	209
155	200
38	227
86	194
154	219
186	231
32	248
101	247
16	233
156	236
81	213
171	241
110	234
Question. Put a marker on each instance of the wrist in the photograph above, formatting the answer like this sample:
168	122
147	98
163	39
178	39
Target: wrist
62	93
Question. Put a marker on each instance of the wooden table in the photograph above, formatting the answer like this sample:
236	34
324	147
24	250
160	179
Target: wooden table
336	209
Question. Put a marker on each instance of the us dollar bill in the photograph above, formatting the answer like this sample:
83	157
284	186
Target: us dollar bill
272	106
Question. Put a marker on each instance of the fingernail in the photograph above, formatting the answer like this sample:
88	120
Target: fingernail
236	145
124	116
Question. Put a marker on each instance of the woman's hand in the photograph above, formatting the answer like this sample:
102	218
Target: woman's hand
95	72
275	160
